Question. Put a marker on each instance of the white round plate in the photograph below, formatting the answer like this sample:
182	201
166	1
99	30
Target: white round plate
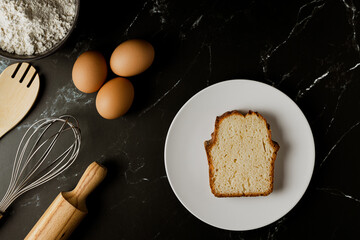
187	167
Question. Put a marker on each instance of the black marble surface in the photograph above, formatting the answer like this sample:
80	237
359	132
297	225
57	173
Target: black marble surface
307	49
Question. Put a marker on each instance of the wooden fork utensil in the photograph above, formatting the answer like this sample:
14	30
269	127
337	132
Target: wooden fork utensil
19	87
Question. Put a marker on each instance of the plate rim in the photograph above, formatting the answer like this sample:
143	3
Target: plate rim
230	82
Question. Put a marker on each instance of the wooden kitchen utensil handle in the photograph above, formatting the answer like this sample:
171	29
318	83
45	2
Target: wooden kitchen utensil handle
91	178
68	209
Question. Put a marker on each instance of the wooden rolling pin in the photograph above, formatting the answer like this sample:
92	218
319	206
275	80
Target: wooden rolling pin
68	208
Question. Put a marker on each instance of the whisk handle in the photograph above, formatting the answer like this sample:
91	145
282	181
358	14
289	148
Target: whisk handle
92	177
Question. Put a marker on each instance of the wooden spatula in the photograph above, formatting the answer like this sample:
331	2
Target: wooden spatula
19	87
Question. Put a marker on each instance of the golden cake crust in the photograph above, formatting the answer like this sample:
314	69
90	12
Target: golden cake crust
210	143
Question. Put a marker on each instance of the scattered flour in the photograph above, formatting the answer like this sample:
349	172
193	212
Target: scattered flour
160	7
32	27
3	64
31	201
67	97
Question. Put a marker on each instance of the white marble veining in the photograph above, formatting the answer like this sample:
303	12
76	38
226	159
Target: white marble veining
354	67
160	98
187	70
155	8
338	141
197	22
314	83
339	193
343	89
160	8
299	26
286	76
351	15
135	18
272	233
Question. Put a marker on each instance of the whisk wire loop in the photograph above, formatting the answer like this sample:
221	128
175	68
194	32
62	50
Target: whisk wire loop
29	171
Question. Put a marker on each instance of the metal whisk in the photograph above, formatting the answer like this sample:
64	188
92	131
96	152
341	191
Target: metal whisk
38	160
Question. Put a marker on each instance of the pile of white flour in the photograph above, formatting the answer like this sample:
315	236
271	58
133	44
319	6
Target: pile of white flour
30	27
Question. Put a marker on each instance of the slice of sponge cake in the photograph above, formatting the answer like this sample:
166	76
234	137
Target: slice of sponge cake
241	155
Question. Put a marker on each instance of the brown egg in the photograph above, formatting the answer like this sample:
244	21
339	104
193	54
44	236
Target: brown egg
115	98
132	57
89	71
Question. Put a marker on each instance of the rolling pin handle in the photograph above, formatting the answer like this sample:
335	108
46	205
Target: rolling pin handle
91	178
